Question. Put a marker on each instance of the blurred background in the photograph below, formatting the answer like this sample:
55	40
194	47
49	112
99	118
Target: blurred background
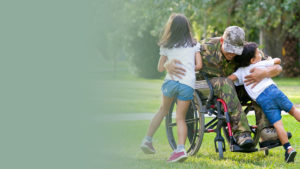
127	31
126	84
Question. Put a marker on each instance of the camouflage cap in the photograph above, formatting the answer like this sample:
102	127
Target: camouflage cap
234	38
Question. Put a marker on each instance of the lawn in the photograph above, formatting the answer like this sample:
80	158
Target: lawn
126	137
137	95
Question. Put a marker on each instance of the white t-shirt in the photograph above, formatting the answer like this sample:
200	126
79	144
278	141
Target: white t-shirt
261	86
186	55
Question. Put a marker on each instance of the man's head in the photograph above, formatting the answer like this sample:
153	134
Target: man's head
232	42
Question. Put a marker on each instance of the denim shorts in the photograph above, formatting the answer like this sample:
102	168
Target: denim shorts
272	101
172	88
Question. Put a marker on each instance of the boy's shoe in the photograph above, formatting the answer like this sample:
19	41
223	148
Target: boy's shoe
289	157
177	156
147	147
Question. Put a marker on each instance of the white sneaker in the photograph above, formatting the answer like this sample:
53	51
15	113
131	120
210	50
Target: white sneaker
147	147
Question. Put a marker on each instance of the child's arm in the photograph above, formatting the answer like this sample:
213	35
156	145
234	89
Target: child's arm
232	77
277	61
198	61
161	62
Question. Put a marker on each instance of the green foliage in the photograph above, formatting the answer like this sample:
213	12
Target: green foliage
270	14
132	20
145	55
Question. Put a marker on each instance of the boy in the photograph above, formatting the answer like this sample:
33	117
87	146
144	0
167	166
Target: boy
266	94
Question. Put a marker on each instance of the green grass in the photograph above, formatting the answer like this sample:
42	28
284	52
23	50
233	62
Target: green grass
130	133
291	87
134	95
138	95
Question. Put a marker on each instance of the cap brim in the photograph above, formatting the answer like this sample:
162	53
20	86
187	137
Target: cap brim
238	50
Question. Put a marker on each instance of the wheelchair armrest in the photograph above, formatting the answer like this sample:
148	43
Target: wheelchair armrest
211	90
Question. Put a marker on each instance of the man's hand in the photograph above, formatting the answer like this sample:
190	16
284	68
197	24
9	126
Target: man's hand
174	69
257	74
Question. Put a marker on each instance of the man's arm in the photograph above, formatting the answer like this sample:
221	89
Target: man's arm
257	74
173	69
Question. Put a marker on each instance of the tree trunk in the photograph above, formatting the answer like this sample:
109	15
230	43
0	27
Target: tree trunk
290	57
272	40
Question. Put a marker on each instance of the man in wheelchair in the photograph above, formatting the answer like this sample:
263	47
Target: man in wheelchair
217	57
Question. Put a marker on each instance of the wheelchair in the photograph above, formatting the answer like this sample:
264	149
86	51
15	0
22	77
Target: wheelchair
205	103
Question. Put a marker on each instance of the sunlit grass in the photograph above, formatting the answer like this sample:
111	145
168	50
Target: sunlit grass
137	95
131	94
130	133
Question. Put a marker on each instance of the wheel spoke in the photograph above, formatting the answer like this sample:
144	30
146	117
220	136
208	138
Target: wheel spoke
188	121
172	125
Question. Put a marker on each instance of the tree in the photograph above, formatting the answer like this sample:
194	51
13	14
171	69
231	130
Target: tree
278	21
290	55
138	24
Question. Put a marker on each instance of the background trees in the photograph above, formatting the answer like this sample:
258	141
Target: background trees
137	24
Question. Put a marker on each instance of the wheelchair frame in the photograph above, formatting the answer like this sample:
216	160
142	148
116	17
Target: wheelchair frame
196	125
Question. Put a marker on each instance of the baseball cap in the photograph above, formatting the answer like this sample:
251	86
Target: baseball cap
234	38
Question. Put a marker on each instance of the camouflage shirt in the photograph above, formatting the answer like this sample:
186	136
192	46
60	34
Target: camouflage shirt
214	62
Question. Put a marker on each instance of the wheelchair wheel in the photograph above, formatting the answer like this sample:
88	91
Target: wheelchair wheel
255	133
195	126
266	152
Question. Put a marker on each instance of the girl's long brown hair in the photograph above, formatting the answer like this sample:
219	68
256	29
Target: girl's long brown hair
177	33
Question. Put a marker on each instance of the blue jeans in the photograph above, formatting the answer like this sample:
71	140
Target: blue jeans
172	88
272	101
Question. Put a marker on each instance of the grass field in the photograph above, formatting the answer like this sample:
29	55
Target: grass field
130	133
136	95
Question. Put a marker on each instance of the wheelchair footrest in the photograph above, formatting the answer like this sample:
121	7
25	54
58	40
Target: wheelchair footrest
237	148
270	144
273	143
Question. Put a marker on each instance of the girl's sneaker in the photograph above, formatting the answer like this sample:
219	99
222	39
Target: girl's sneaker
177	156
289	157
147	147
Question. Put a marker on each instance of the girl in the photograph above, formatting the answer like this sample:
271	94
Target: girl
176	43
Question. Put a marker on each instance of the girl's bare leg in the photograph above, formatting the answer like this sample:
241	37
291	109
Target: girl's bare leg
182	107
161	113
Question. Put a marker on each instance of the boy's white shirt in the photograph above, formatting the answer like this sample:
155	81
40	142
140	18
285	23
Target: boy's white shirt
186	55
261	86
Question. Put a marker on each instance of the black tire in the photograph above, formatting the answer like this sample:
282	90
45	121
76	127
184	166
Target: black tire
266	152
195	125
220	149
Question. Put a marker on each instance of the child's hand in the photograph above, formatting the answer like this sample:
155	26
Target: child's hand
269	58
277	61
